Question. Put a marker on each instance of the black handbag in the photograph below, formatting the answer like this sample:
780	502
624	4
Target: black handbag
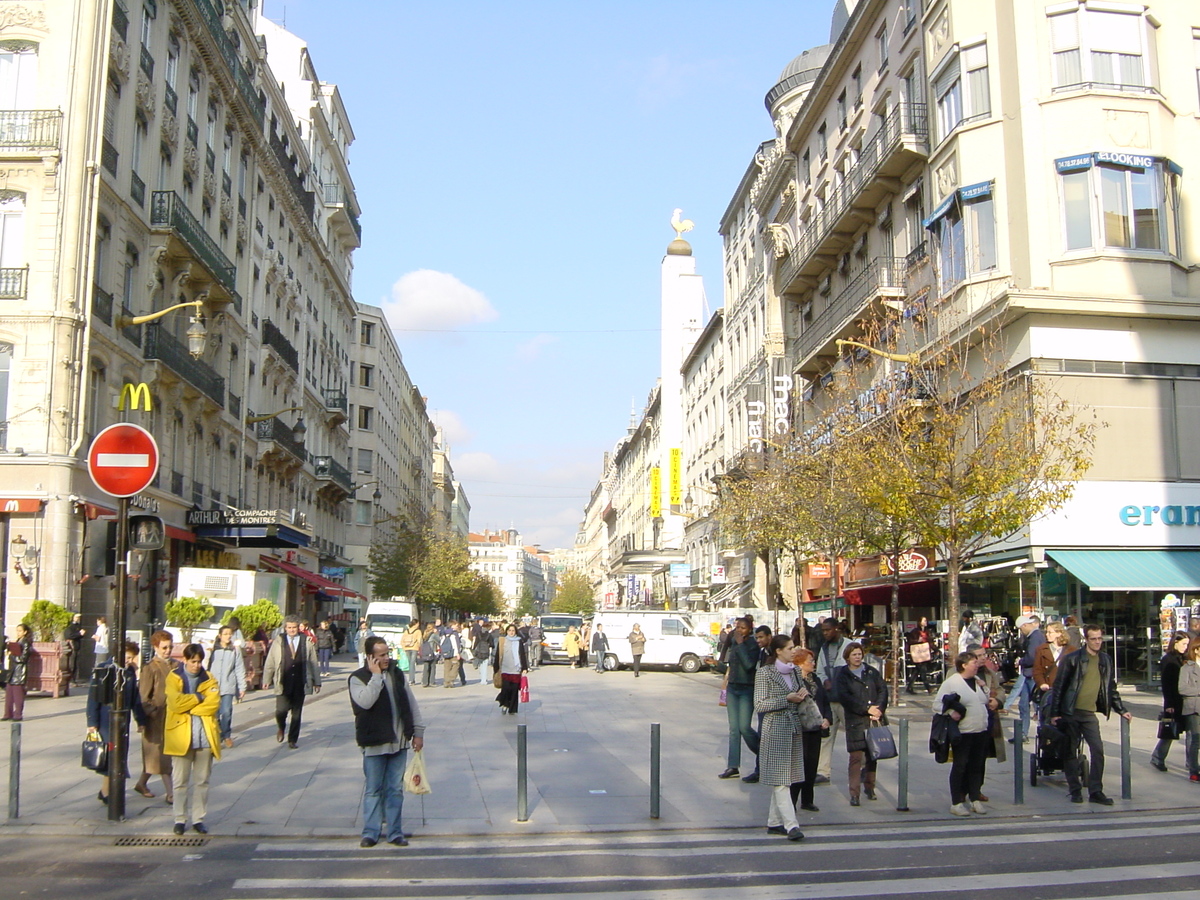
1169	727
95	756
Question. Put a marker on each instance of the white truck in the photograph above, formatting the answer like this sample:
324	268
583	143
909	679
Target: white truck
671	639
389	618
226	589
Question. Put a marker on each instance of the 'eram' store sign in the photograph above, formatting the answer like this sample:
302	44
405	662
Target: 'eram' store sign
1124	514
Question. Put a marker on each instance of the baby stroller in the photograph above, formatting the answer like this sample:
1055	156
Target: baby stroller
1052	748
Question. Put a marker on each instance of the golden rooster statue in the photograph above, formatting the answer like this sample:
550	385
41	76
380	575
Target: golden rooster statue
681	225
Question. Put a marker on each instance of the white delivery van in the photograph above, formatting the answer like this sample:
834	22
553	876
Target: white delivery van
389	618
671	639
554	629
226	589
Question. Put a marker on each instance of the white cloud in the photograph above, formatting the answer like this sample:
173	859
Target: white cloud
532	349
429	300
454	429
479	465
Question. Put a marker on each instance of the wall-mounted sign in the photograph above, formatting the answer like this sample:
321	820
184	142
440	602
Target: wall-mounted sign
675	480
655	492
910	561
236	517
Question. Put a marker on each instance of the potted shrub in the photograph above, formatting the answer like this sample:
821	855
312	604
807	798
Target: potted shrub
47	620
185	613
262	613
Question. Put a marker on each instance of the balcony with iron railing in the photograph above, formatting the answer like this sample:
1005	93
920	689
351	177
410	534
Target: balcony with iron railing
235	405
276	431
342	218
137	189
14	283
901	139
30	130
275	339
102	304
146	62
287	163
170	98
120	20
330	470
879	280
131	333
163	346
109	156
169	214
211	12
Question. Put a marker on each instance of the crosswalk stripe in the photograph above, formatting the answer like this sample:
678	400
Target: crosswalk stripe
765	845
847	886
725	837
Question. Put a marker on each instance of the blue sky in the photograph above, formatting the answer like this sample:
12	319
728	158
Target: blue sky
517	164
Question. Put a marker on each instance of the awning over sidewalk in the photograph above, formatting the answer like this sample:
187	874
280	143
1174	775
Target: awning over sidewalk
312	579
1132	570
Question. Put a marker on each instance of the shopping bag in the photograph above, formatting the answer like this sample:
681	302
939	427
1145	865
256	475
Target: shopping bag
880	743
920	652
415	781
524	688
721	701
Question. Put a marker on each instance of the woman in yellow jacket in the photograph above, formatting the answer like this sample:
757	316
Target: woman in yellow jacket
571	646
191	735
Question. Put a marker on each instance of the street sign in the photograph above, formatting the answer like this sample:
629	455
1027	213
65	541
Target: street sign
123	460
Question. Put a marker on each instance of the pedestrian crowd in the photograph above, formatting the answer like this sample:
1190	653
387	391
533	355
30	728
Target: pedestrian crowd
786	704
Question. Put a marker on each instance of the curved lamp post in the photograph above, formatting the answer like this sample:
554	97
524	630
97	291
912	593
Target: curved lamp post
197	334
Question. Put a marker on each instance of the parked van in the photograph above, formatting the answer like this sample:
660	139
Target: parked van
389	618
554	629
671	639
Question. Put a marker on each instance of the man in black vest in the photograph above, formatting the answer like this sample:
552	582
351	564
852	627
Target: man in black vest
292	669
386	723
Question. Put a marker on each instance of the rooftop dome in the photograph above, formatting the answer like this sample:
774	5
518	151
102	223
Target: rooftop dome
803	70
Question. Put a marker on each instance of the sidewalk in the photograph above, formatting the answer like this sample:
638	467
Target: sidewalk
588	760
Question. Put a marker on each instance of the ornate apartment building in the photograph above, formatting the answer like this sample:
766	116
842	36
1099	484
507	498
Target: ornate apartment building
156	153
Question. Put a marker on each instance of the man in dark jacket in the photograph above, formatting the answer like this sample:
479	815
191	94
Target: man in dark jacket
74	634
386	723
1086	684
599	646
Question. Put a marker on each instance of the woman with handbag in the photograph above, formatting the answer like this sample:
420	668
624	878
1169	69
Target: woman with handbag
428	654
510	663
99	702
778	694
1171	722
815	716
965	698
1189	692
18	671
920	643
863	696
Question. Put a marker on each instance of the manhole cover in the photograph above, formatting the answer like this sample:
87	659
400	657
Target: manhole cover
160	842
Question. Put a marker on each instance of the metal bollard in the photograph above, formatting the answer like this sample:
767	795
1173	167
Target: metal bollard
655	769
14	770
1126	762
522	775
1018	763
902	783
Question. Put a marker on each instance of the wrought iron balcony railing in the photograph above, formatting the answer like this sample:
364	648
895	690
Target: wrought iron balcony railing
164	347
30	129
274	339
169	211
334	399
277	431
329	469
102	304
211	11
881	277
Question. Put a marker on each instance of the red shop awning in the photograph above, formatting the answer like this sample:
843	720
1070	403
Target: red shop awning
311	580
927	592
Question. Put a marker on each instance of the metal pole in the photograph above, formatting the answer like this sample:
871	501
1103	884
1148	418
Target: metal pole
118	719
1126	763
655	768
1018	763
14	770
902	784
522	775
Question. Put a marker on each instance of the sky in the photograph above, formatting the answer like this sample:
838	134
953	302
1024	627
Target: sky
517	165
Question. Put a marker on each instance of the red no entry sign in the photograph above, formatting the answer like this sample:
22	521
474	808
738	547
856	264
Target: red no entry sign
123	460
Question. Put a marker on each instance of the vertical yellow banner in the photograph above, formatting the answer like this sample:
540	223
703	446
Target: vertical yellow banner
676	476
655	492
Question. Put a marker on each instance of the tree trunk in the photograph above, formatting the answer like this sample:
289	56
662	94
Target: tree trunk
799	599
953	566
897	650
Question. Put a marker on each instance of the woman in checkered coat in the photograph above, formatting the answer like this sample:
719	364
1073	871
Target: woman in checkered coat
777	695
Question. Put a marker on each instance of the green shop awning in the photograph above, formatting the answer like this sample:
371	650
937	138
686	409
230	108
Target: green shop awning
1132	570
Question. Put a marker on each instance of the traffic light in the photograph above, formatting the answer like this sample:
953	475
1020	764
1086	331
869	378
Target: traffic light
146	533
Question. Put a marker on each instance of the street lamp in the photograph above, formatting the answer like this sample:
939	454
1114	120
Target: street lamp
197	334
895	357
299	430
376	495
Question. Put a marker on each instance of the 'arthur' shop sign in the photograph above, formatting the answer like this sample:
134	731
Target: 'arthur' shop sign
236	517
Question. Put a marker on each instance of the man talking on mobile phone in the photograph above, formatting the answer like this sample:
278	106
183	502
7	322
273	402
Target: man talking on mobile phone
386	723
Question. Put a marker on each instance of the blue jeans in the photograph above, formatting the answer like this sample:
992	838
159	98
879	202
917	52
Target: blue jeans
411	655
739	707
225	716
383	796
324	655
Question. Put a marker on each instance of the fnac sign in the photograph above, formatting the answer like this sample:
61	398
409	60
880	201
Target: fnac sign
135	393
